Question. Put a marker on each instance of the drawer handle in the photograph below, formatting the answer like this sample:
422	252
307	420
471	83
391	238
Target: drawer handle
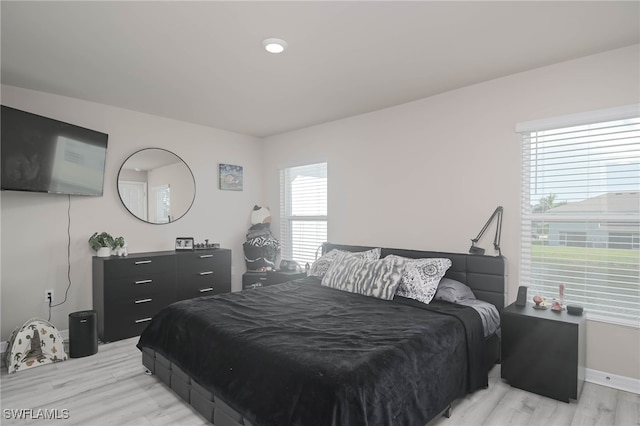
206	273
203	256
204	290
142	262
143	301
143	282
143	320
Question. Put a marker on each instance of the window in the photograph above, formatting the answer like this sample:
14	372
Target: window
581	211
303	207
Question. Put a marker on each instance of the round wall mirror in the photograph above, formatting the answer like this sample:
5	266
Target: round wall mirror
156	185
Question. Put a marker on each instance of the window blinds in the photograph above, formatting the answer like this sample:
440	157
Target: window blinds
303	207
580	216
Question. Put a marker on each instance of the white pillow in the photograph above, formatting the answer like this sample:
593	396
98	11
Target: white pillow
421	277
320	266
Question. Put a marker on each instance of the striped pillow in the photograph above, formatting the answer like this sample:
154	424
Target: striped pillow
375	278
320	266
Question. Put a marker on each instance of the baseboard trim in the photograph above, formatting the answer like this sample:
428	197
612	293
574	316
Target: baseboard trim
623	383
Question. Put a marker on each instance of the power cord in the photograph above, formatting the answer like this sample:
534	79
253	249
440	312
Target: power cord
66	292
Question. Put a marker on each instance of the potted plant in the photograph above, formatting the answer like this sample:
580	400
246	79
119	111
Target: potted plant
102	243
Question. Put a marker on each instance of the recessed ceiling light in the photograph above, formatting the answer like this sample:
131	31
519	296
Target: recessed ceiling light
274	45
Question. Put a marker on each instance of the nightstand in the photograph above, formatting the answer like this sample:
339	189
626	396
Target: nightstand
261	279
543	351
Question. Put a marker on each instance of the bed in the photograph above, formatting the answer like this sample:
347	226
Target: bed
303	353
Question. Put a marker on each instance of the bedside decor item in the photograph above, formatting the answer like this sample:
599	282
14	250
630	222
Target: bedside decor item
574	309
103	243
522	296
556	306
230	178
261	248
496	240
540	303
184	243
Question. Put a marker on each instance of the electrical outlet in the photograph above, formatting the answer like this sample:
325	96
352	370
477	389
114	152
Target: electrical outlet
48	295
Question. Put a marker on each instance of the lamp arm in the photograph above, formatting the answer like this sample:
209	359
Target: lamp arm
496	239
497	212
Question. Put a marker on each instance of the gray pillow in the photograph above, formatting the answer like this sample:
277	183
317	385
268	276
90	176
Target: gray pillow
453	291
421	277
375	278
320	266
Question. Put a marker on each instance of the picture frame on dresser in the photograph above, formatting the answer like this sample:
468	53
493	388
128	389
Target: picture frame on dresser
184	243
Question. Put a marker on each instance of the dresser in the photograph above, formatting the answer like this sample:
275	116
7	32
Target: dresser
129	291
543	351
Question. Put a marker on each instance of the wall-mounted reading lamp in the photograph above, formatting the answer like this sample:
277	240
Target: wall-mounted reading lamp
496	241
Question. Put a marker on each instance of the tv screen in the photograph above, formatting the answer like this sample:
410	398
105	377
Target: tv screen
40	154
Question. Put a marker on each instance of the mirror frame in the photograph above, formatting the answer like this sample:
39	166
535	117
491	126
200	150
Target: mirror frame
193	198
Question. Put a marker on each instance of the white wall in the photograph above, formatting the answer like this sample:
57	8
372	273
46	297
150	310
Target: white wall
427	174
34	226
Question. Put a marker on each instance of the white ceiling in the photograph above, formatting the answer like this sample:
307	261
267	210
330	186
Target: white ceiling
202	62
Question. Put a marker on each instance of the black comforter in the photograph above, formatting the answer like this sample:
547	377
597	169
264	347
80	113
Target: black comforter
301	354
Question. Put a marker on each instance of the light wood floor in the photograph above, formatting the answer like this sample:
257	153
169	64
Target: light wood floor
111	388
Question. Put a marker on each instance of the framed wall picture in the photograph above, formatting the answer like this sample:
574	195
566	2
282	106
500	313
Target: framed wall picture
184	243
230	177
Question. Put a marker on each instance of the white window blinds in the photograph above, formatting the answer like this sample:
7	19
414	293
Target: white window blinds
581	215
303	207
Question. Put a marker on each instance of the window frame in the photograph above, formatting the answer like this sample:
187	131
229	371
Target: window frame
529	217
303	253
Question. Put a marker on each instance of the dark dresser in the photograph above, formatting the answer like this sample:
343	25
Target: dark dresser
543	351
128	291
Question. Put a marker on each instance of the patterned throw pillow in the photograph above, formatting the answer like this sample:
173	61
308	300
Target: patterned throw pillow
376	278
320	266
421	277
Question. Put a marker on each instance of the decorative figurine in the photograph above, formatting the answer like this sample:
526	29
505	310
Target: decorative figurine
540	303
261	247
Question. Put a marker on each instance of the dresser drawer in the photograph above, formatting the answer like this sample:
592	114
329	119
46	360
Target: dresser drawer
198	260
139	266
201	286
145	285
127	318
203	261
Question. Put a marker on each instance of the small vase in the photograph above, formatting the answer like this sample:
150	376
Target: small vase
104	252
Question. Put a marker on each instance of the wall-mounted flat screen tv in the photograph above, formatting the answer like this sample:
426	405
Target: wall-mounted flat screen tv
40	154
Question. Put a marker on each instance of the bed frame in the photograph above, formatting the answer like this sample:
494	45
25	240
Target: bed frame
485	275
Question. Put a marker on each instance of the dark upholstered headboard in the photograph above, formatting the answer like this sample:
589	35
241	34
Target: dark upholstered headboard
485	275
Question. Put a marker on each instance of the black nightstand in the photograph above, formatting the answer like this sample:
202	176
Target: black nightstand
543	351
261	279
